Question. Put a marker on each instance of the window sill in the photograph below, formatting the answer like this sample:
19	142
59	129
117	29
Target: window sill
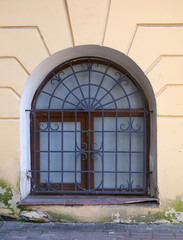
84	200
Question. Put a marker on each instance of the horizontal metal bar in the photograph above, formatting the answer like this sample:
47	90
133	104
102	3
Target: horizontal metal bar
90	191
87	151
87	171
89	131
82	110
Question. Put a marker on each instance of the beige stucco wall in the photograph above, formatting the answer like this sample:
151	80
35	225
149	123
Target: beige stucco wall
149	32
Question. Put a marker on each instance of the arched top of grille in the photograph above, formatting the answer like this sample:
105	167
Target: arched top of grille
88	84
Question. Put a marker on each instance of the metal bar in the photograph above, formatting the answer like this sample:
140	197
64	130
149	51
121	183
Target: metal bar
104	192
130	157
34	147
62	152
78	83
87	151
96	110
116	152
49	148
103	77
92	171
119	86
84	131
145	154
76	157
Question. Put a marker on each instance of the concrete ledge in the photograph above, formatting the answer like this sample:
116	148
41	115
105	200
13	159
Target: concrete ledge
84	200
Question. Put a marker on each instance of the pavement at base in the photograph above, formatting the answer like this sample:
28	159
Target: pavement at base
16	230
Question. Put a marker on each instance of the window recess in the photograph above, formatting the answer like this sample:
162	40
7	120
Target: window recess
90	131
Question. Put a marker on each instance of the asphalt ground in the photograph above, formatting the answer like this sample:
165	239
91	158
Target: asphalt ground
16	230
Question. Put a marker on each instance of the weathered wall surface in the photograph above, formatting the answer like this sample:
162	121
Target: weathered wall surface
149	32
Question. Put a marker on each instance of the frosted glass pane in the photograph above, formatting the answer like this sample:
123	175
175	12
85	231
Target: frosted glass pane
122	180
67	89
123	161
109	180
136	101
70	160
138	180
55	164
137	160
137	142
83	78
54	136
98	180
109	162
126	127
99	67
42	101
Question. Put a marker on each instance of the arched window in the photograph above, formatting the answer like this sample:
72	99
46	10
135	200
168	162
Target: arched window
90	131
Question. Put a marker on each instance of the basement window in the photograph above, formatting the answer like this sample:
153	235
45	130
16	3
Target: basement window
90	131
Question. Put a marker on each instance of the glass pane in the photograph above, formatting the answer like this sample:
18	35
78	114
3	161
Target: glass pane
109	180
122	179
60	151
137	162
137	179
123	161
95	85
114	154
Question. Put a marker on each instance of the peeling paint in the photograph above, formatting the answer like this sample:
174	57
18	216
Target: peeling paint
9	198
168	212
35	216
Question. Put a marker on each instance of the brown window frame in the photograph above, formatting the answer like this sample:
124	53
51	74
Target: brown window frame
65	116
37	114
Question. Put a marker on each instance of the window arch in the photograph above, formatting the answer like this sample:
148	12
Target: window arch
90	130
41	76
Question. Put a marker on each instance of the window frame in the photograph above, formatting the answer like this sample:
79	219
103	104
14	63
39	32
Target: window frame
39	74
128	114
81	117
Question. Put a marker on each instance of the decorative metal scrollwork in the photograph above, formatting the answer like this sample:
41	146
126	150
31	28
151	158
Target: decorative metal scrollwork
82	90
130	187
96	148
53	126
130	126
121	79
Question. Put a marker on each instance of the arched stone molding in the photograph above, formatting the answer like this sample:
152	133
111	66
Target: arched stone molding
41	71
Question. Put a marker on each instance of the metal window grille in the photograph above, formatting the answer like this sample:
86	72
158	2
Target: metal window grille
90	131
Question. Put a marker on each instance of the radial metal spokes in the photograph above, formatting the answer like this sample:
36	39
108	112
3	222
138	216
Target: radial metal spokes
73	82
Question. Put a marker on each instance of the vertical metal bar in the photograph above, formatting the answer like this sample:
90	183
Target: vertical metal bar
49	127
103	151
77	84
144	150
75	164
89	83
116	150
62	152
89	124
130	150
89	149
95	97
35	144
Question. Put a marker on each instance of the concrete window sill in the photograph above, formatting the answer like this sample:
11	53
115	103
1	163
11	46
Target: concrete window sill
84	200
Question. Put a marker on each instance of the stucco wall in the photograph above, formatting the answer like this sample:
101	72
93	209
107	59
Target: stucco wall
149	32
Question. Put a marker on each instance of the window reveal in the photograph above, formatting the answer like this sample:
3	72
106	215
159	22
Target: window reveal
90	131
